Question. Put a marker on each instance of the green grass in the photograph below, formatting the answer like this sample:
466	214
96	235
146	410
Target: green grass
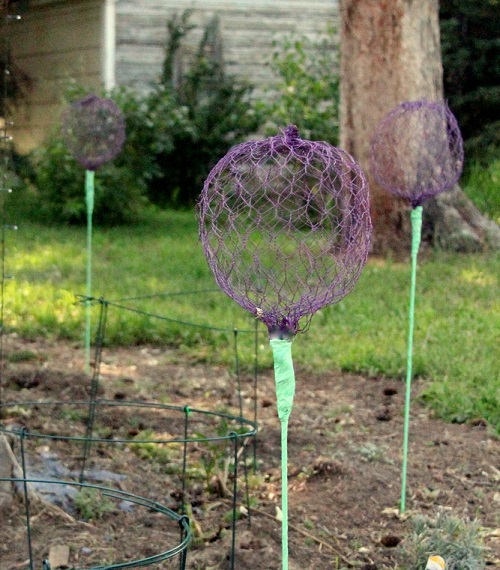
456	327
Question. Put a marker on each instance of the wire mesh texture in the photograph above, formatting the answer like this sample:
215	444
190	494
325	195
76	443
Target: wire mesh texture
46	476
417	151
94	130
178	438
285	226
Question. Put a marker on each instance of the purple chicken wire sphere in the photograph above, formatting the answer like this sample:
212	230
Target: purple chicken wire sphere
94	131
417	151
285	226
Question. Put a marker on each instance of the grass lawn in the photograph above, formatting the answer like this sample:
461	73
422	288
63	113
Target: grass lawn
456	344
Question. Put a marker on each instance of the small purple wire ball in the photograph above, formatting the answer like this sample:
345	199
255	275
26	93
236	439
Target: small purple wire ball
94	131
285	226
417	151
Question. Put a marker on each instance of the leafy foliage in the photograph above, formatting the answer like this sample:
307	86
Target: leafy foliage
482	185
307	90
457	541
471	61
91	504
218	108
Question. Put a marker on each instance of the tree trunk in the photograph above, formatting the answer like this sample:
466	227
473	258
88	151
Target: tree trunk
391	53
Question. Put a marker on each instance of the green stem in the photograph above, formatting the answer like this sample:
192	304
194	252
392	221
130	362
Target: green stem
285	390
416	232
89	198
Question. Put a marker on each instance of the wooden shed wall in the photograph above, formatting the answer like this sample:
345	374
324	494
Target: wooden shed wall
248	29
53	43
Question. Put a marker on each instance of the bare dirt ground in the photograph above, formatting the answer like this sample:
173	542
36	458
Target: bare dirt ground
345	439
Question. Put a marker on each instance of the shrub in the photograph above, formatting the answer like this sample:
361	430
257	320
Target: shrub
482	185
307	89
471	63
218	107
457	541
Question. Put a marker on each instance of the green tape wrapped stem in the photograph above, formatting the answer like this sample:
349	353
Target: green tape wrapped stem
416	230
416	234
284	376
89	199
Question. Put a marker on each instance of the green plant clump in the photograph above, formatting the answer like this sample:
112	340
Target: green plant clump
219	110
470	49
91	504
457	541
482	186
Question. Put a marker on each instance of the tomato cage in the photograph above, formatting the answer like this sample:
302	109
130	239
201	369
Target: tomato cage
123	473
95	490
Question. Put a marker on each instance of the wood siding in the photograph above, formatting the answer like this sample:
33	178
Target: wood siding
54	43
61	40
248	28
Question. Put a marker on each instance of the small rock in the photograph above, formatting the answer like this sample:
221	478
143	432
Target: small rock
59	556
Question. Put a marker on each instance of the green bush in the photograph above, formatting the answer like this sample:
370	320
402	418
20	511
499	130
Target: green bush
307	89
457	541
219	110
482	185
91	504
471	63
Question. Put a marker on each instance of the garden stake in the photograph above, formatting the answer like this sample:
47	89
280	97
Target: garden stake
416	232
89	198
94	131
285	228
416	153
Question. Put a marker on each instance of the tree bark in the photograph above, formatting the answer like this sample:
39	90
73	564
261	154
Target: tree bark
391	53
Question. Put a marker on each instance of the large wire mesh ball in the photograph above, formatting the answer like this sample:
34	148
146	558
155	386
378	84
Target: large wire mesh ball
94	131
285	227
417	151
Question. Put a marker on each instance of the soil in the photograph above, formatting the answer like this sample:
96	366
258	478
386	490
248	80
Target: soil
345	441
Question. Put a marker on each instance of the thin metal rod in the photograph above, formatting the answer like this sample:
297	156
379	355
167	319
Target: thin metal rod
416	225
237	367
235	492
284	492
94	387
187	411
26	499
89	197
255	388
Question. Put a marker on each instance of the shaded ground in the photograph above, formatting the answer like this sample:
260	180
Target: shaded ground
345	438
